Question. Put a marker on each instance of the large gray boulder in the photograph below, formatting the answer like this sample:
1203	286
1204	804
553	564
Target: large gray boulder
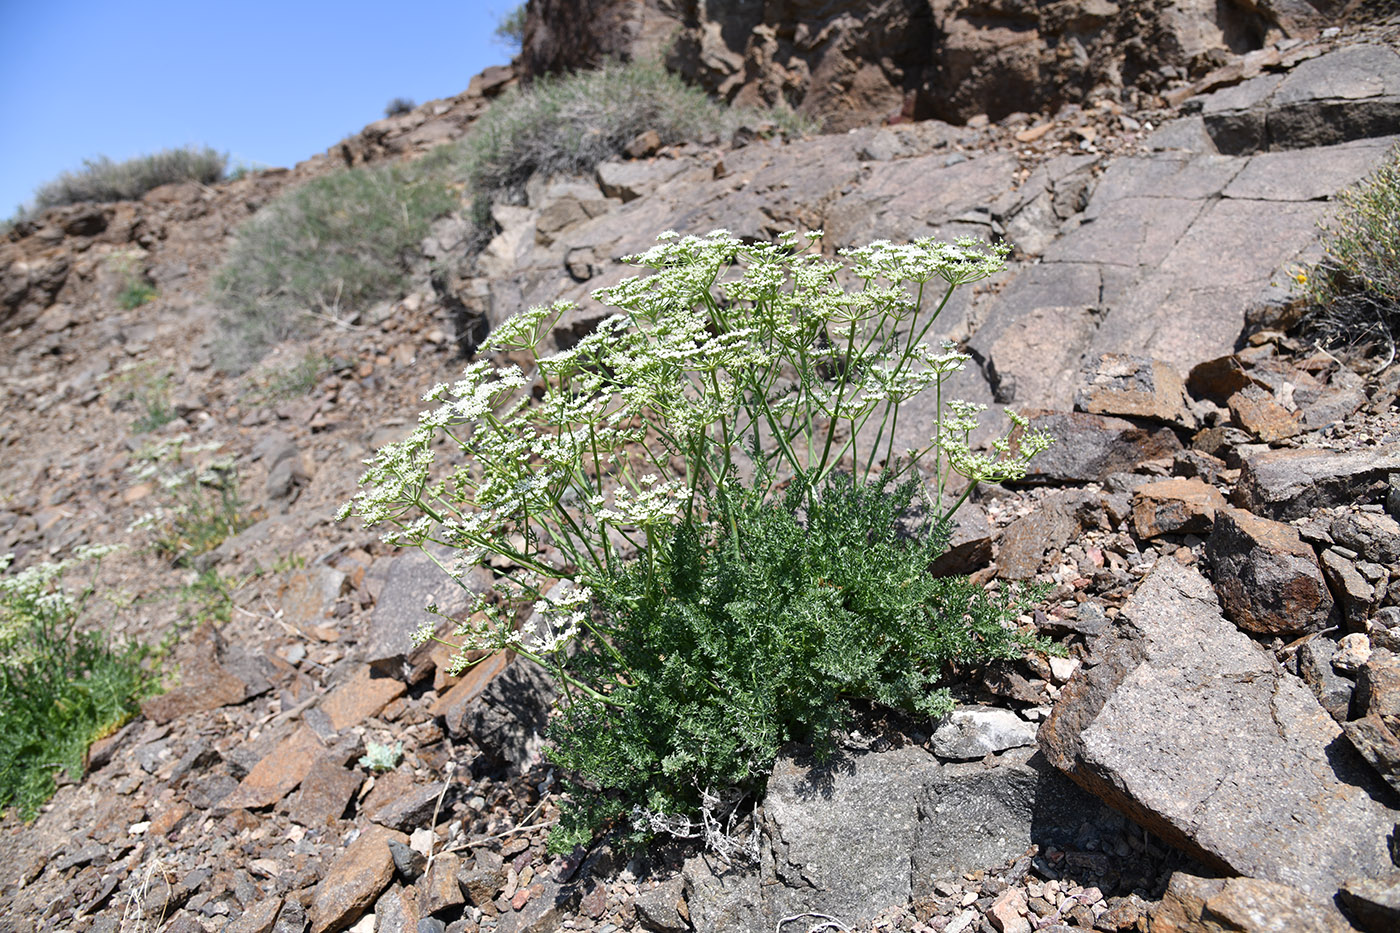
1196	733
1288	484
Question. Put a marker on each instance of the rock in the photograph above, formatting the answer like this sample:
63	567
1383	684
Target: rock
1218	379
1374	536
291	919
1355	594
1133	387
1378	745
662	909
1169	718
413	582
1374	902
355	880
1378	689
205	683
278	773
970	816
842	833
1332	690
396	911
1175	506
362	696
1288	484
325	793
456	702
310	595
1246	905
969	545
1268	580
408	810
258	918
1088	447
975	732
484	879
438	889
539	908
1008	912
509	719
631	180
408	863
1025	542
1353	651
722	898
1351	93
1256	411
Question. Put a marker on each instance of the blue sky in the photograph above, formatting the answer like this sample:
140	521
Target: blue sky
268	83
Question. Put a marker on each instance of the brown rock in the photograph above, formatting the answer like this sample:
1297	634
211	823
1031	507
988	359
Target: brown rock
205	684
325	793
1218	379
452	704
277	774
438	888
1008	912
258	918
1374	902
643	145
1133	387
356	878
1175	506
1268	580
169	818
1244	905
1256	410
406	809
1378	689
1378	745
1288	484
1025	542
310	595
484	879
359	698
1089	447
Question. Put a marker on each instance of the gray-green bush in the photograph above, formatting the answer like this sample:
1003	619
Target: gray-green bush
1353	294
567	125
336	243
101	179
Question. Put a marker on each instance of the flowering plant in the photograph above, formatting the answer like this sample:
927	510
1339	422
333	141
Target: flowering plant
728	355
692	500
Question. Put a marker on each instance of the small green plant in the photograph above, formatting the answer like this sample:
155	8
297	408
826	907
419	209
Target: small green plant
280	385
332	245
510	31
694	501
60	688
148	386
210	596
135	289
101	179
1353	293
202	507
379	758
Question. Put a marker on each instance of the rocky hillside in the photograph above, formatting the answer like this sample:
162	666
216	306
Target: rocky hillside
1217	523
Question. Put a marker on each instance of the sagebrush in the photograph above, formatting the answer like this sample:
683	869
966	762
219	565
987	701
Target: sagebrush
1353	293
101	179
329	247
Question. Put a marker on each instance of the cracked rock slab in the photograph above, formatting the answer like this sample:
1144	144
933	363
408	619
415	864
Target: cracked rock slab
1196	733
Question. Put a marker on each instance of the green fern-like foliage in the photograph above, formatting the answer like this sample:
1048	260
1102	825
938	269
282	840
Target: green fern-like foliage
762	634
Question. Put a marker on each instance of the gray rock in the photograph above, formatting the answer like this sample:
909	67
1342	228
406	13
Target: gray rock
977	731
409	811
972	817
1088	447
840	834
659	908
412	582
1288	484
1374	902
1378	745
1332	690
1267	578
1351	93
1166	729
1374	536
1025	542
509	719
407	862
1355	594
1242	905
721	898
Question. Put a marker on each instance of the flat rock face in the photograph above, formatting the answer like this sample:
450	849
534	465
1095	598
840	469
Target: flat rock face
1288	484
1196	733
843	853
